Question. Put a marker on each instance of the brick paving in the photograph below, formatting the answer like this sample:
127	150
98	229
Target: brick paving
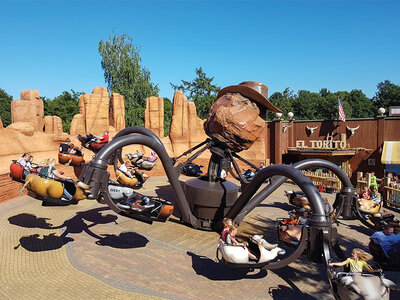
87	251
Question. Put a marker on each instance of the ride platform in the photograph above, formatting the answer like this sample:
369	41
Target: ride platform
87	251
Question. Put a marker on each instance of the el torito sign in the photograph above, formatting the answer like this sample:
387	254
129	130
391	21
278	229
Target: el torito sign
321	144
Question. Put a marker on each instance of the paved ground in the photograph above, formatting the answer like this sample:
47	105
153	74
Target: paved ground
87	251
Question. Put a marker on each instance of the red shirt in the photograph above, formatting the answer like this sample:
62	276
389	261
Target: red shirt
105	138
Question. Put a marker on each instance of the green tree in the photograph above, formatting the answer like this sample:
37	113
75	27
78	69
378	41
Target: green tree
66	106
167	116
124	74
361	105
201	91
5	107
387	94
283	101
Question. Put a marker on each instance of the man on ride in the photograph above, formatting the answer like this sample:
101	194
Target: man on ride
64	147
389	241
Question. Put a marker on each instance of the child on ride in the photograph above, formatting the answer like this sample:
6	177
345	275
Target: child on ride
227	222
357	262
365	193
231	240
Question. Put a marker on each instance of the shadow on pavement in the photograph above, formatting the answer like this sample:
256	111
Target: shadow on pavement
77	224
212	270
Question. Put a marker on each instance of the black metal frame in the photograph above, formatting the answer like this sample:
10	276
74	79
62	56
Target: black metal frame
316	238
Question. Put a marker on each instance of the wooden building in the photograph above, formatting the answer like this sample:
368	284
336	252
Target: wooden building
356	145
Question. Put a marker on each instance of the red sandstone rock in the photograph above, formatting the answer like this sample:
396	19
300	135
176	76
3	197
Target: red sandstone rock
234	121
117	112
28	109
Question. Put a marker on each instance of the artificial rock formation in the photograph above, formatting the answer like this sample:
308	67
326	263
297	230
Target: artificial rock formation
95	115
186	127
53	125
234	121
23	127
1	124
28	109
117	112
154	115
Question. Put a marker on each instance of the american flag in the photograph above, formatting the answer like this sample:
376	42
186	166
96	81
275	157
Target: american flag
341	112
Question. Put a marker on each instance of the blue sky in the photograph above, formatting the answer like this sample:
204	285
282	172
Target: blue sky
51	46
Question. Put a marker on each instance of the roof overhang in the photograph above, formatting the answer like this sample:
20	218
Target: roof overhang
391	152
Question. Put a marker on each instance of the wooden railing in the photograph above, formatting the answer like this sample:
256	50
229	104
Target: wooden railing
329	181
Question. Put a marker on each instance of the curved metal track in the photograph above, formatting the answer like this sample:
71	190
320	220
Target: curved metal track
247	201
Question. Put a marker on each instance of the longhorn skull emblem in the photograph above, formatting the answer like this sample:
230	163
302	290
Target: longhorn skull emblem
285	127
311	129
352	130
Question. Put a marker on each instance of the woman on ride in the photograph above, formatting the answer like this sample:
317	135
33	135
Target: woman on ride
375	195
357	262
227	222
50	172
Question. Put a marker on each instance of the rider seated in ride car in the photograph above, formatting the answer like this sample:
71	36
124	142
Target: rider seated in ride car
388	240
142	158
357	262
78	151
103	138
365	194
373	201
25	162
231	240
227	222
64	147
131	172
71	149
50	172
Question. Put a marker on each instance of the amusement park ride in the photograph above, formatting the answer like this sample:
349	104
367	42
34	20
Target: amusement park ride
205	201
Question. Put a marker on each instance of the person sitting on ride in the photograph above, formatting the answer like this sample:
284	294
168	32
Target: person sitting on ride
365	194
24	161
231	240
303	220
227	222
103	138
50	172
78	151
373	180
64	147
357	262
373	201
153	157
388	240
131	172
126	168
71	149
292	220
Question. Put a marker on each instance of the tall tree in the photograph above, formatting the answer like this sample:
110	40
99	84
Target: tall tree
201	91
5	107
66	106
124	74
387	94
167	116
284	101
